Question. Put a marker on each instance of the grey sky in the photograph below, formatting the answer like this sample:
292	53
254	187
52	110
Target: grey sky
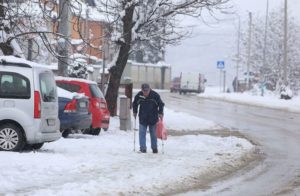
218	40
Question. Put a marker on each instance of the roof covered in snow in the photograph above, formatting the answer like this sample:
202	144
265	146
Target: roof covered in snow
13	59
159	64
74	79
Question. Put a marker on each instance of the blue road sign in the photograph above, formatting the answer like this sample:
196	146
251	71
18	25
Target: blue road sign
220	64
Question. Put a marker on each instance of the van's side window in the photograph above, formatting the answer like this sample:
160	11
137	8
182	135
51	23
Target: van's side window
48	87
14	86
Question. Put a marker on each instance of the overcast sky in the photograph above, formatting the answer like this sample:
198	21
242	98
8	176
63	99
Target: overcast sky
218	41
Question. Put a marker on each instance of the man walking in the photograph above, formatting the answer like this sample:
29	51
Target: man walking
151	108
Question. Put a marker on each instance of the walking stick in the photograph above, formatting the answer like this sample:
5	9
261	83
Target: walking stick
134	134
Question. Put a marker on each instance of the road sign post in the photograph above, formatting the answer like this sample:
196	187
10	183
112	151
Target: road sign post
220	66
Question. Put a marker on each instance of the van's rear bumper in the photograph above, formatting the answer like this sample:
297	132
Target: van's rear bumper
34	135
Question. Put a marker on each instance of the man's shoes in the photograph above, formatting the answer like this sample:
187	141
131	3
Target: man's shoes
154	150
143	151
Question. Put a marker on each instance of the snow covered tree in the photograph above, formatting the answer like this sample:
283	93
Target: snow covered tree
29	28
272	71
146	20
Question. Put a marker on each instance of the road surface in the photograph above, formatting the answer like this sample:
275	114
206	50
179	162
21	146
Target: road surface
276	132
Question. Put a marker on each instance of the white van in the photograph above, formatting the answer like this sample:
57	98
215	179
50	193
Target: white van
28	105
192	82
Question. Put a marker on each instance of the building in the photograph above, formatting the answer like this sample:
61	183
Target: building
158	75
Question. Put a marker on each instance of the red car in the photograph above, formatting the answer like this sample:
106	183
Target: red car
98	106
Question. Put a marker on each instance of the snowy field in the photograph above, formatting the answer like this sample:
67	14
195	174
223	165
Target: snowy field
107	165
269	99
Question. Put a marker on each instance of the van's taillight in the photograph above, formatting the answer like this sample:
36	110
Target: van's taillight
71	106
37	104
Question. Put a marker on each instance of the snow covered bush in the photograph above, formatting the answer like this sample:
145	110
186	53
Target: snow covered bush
77	70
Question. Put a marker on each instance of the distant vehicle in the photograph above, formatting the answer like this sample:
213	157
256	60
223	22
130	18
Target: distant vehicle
98	106
28	105
73	113
175	85
191	82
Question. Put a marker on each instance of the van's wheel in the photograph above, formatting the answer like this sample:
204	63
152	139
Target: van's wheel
105	129
65	133
11	138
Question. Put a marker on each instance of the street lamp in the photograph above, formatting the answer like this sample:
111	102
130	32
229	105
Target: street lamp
238	53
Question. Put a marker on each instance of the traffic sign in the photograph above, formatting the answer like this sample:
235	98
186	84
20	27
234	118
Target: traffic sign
220	64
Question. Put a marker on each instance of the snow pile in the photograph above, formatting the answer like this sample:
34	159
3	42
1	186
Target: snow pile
107	165
186	122
67	94
269	100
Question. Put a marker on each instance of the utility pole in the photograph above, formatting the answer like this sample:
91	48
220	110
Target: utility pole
265	36
249	50
224	81
105	54
29	48
87	32
238	55
285	62
63	29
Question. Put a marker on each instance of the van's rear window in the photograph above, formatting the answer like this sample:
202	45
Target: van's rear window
48	87
95	91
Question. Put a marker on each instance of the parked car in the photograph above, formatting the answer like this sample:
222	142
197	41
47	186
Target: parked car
28	105
73	112
98	106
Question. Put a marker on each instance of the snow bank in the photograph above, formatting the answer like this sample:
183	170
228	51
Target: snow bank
186	122
269	100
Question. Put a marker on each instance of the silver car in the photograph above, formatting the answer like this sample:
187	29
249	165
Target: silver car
28	105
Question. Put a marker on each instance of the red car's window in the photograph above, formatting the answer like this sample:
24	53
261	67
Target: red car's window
96	92
69	87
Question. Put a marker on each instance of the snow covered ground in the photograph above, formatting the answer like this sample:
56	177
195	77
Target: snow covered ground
107	165
269	99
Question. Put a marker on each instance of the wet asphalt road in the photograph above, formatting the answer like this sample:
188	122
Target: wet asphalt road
276	132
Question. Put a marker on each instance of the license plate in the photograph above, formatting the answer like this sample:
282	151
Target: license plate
51	122
82	105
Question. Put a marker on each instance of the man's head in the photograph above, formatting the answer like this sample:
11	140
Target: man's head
145	89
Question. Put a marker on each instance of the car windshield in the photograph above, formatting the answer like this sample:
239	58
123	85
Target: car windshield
48	87
96	92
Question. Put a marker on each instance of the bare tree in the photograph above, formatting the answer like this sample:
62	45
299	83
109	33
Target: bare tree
138	20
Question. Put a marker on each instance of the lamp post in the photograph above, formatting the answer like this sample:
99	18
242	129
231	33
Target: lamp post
238	53
249	50
285	61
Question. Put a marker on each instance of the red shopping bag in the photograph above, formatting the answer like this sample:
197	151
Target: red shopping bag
161	131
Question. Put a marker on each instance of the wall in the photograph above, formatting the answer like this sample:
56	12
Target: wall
151	74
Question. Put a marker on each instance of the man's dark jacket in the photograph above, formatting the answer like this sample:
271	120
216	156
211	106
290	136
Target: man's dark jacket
150	107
